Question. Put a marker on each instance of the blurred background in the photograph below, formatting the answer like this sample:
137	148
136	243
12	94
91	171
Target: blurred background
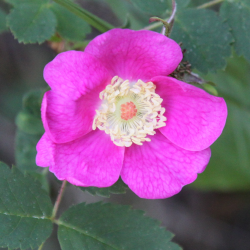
213	213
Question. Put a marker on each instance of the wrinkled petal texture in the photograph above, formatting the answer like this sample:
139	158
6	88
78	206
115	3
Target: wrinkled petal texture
136	55
76	79
92	160
195	119
159	169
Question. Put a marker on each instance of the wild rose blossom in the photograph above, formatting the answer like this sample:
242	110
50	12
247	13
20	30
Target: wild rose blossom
113	111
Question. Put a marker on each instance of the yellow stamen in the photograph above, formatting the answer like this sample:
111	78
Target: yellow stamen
129	112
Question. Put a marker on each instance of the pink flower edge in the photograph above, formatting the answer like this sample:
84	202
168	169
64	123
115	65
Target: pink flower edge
92	160
195	119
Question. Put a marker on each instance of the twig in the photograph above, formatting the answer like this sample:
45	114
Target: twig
58	200
209	4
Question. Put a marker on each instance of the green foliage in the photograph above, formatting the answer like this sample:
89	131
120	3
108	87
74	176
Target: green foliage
182	3
30	130
107	226
118	188
29	123
2	21
156	7
229	169
24	210
29	119
90	18
32	22
17	2
25	152
237	15
70	26
206	38
128	14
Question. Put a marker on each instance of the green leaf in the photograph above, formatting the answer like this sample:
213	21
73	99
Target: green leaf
24	210
29	123
25	151
90	18
156	7
29	119
237	15
118	188
32	102
70	26
3	26
107	226
16	2
182	3
120	9
228	169
128	14
30	130
206	38
32	22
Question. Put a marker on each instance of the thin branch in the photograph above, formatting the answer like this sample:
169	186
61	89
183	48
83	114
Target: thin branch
58	200
209	4
154	25
40	248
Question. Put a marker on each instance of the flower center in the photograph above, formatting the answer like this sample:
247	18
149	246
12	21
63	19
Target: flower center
129	111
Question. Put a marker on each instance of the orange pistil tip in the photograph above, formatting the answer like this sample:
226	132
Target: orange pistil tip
128	110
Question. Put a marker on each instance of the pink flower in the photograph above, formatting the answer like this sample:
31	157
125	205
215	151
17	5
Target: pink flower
113	111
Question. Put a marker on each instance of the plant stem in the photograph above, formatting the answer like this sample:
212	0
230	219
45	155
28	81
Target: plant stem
203	6
40	248
90	18
45	171
154	25
209	4
58	200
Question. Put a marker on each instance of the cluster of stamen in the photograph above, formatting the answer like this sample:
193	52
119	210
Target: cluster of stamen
129	111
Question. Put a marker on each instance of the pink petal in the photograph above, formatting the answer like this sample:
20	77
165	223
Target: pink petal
136	55
45	150
75	73
195	119
93	160
159	169
66	120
